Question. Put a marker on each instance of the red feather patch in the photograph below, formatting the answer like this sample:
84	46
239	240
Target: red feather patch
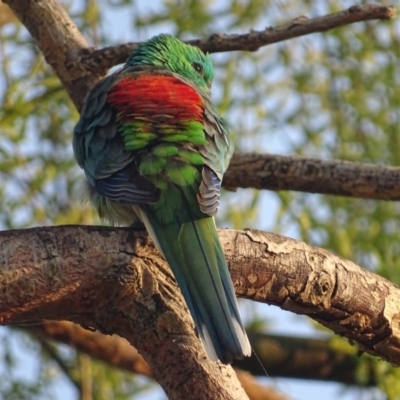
156	98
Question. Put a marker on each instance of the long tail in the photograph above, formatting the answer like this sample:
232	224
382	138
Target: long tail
195	255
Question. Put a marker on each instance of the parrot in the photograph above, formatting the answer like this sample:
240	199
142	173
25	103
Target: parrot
154	149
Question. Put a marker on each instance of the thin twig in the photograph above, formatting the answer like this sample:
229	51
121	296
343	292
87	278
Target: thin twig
110	56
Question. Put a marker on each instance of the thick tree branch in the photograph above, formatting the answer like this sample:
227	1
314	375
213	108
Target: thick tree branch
117	284
344	178
115	281
61	43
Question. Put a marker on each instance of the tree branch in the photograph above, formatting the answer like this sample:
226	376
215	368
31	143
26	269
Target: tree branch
114	280
117	351
305	358
113	350
344	178
254	40
61	43
281	356
6	15
79	67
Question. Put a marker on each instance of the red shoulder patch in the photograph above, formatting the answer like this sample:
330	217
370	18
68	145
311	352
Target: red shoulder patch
152	97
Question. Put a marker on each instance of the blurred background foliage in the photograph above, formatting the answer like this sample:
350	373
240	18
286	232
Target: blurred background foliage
331	95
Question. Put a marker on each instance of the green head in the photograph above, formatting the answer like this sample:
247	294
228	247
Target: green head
178	57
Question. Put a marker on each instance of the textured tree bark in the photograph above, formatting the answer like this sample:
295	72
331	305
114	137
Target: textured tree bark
344	178
61	43
350	300
115	281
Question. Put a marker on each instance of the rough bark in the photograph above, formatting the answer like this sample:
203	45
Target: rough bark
114	280
61	43
310	175
349	300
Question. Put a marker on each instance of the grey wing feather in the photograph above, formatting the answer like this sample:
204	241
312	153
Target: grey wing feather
100	150
217	154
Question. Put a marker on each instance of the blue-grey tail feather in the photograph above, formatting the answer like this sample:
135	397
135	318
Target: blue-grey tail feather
207	288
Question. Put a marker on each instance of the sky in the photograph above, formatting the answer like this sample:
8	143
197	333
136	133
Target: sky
119	30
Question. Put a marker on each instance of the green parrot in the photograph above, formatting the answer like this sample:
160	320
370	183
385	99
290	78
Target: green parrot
154	149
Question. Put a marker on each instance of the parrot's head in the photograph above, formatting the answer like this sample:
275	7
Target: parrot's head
180	58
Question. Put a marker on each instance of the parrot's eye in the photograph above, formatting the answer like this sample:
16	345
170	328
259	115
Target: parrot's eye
198	67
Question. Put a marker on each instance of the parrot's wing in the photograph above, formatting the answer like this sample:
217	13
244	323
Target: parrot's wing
100	150
217	154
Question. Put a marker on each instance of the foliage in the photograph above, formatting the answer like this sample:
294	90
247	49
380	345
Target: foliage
331	95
